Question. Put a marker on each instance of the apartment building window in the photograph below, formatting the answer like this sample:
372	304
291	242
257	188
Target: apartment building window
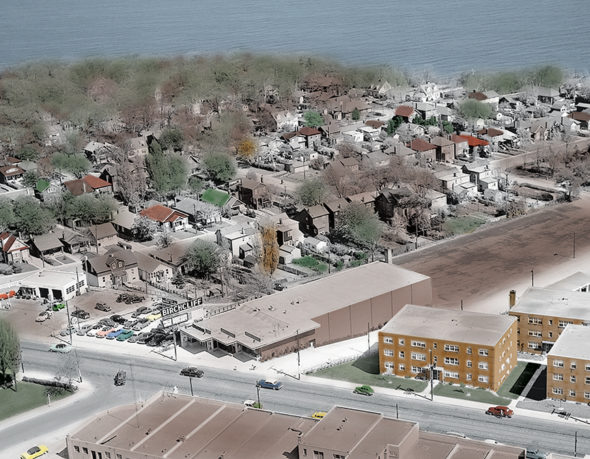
85	450
550	334
572	393
318	455
119	456
452	374
573	365
533	345
535	321
434	345
452	348
107	455
564	323
469	376
389	366
557	377
418	356
558	363
419	344
587	380
388	352
572	379
469	350
587	367
388	340
402	355
338	456
469	364
77	449
416	370
538	334
483	352
305	451
401	367
550	321
557	391
451	361
482	365
483	379
587	395
401	342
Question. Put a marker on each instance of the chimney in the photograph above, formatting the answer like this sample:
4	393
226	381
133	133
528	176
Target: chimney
512	298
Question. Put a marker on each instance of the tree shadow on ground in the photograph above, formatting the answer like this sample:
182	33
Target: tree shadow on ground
368	364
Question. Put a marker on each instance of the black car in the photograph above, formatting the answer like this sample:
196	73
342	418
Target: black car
118	319
106	322
141	310
192	372
80	314
120	378
129	324
102	307
156	340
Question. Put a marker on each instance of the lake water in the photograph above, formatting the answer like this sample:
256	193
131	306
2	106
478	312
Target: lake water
427	36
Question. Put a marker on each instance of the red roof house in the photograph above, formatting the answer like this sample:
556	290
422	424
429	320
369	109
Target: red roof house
167	218
12	249
405	111
88	184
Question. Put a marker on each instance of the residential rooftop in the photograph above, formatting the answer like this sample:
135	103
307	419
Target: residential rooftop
450	325
554	303
572	343
575	282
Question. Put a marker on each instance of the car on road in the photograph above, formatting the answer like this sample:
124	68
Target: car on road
58	306
125	335
60	347
102	307
34	452
250	403
115	334
270	384
80	314
105	331
118	319
319	415
43	316
141	310
192	372
364	390
500	411
120	378
536	454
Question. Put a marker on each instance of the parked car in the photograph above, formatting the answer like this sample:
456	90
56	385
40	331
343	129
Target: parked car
93	331
319	415
125	335
66	331
58	307
106	322
80	314
105	331
500	411
102	307
364	390
120	378
250	403
61	347
536	454
34	452
141	310
270	384
192	372
141	324
43	316
115	333
143	338
154	316
118	319
129	324
129	298
84	329
133	339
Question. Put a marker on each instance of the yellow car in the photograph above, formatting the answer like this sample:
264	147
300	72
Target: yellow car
154	316
34	452
319	415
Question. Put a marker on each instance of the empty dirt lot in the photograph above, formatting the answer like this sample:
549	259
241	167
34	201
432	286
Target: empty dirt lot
482	267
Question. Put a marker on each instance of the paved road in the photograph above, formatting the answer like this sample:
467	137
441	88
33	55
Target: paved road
145	376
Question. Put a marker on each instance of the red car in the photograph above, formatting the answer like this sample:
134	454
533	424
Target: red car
500	411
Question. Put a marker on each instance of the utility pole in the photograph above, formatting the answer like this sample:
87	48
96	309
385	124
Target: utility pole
258	395
174	337
190	380
431	377
396	411
532	277
461	304
574	245
298	357
576	443
69	321
368	337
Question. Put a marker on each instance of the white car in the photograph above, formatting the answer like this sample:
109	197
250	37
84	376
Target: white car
92	331
84	329
249	403
43	316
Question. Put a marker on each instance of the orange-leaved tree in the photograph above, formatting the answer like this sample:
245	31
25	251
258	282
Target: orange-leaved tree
270	249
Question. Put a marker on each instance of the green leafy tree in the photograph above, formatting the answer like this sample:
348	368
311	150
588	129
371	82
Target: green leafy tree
313	119
448	127
204	258
221	167
30	179
178	280
168	172
473	109
195	184
9	349
144	229
76	164
393	124
357	224
172	138
90	208
312	192
356	114
27	153
30	217
7	218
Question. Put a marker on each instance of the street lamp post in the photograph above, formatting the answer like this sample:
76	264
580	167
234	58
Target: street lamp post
258	395
190	380
574	245
532	277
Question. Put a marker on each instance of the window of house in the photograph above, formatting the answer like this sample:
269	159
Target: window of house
482	365
415	369
573	365
107	455
533	345
469	350
119	456
572	393
587	395
418	356
550	334
452	374
587	367
469	364
452	348
318	455
550	321
483	352
419	344
536	333
557	391
77	449
558	363
564	323
388	340
388	352
401	342
305	451
587	381
483	379
402	355
338	456
469	376
401	367
389	366
535	321
557	377
85	450
572	379
451	361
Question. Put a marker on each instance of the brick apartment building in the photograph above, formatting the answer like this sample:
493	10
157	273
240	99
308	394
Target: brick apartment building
543	313
333	308
462	347
179	426
568	365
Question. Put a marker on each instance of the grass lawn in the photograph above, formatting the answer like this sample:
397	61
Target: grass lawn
215	197
311	263
462	225
27	397
518	379
466	393
365	370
